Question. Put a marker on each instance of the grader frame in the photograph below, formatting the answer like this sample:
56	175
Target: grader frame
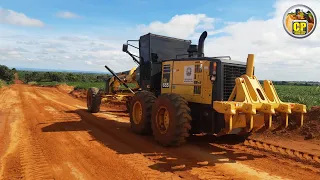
200	104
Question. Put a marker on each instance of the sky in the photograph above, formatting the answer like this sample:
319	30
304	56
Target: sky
86	35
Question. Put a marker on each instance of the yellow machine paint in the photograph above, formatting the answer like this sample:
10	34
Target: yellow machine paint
248	106
129	78
253	103
116	92
190	79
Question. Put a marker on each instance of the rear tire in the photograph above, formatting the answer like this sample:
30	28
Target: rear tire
176	115
93	100
140	112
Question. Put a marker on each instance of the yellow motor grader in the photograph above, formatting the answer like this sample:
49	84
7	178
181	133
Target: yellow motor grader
119	87
181	92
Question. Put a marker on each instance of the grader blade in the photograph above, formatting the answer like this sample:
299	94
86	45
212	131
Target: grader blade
250	104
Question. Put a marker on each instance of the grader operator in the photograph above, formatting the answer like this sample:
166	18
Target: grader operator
180	92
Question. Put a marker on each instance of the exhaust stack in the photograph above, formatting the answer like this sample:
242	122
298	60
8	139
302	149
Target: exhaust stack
201	43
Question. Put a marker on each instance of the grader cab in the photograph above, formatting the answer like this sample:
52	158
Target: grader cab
182	92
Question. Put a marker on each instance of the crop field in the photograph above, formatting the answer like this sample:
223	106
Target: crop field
309	95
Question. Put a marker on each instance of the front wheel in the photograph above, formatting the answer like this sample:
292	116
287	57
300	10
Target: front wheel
171	118
140	112
93	100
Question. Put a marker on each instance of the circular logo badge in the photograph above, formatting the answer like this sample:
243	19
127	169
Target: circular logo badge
189	71
299	21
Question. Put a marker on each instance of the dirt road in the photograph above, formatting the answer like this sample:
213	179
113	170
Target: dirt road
47	134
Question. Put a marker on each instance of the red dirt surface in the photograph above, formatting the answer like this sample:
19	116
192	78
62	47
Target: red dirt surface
65	88
79	93
109	102
314	113
47	133
16	79
306	138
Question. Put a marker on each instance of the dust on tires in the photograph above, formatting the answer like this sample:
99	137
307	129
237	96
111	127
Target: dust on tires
140	112
93	100
179	114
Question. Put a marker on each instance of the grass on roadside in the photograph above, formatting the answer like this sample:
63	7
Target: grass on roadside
2	83
77	85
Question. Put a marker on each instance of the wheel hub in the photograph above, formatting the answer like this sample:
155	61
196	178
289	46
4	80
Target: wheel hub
137	112
163	120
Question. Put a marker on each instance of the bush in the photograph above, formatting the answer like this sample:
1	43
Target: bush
2	83
6	74
32	83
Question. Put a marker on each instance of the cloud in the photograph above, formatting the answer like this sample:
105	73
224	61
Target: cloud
72	38
278	55
11	53
88	62
67	15
8	16
180	26
68	51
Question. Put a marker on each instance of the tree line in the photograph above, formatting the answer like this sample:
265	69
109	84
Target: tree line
31	76
7	74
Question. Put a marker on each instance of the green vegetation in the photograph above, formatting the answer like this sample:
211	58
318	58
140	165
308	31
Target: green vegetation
77	85
21	75
2	83
28	76
308	95
6	74
78	80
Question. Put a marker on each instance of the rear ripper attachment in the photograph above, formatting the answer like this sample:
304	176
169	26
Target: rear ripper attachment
249	104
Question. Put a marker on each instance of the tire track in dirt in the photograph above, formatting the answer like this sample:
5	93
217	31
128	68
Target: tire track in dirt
33	161
217	171
74	144
62	116
10	161
63	164
275	158
4	123
10	135
137	161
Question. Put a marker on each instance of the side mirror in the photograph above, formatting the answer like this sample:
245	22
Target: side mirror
125	48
